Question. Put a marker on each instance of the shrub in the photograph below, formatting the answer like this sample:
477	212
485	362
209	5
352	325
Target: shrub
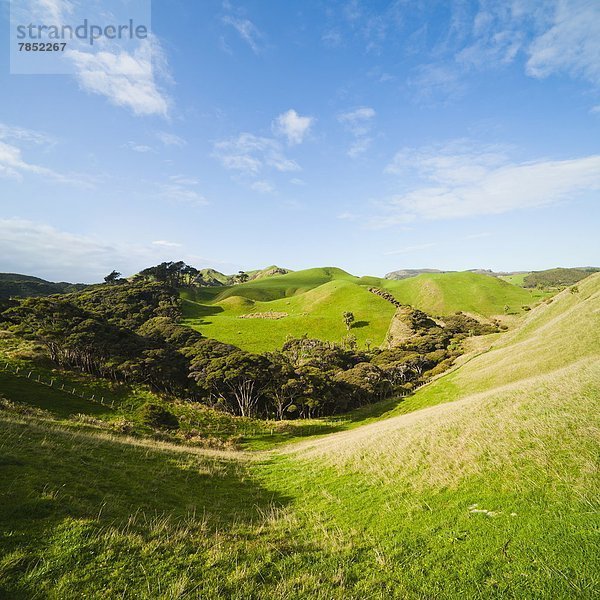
157	416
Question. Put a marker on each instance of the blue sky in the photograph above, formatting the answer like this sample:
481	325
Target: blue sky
368	135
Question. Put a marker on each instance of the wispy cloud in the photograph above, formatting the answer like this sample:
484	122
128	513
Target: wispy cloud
359	123
262	186
21	134
571	44
166	244
409	249
250	154
40	249
170	139
435	83
247	31
463	180
141	148
182	189
292	126
13	166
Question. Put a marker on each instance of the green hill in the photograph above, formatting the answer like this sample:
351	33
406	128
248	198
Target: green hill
446	293
312	302
484	484
22	286
559	277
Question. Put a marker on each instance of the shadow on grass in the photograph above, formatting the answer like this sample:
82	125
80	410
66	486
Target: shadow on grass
48	474
296	429
58	403
359	324
199	312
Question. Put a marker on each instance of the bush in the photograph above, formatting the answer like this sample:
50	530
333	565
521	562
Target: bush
157	416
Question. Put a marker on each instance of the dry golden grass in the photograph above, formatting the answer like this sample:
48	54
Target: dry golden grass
501	428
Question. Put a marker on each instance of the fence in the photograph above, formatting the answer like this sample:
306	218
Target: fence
27	373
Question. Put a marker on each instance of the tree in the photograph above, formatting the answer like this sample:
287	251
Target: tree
237	379
348	319
112	277
241	277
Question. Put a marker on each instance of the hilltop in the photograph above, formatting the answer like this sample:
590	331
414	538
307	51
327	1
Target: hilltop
14	284
312	302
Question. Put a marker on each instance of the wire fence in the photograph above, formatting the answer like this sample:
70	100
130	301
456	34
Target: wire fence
27	373
243	429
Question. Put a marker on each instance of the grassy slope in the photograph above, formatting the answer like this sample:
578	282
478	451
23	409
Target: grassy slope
316	298
493	495
446	293
516	279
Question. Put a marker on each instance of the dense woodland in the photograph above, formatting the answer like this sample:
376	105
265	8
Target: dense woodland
130	331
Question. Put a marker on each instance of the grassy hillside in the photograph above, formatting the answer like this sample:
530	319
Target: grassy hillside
446	293
490	490
312	302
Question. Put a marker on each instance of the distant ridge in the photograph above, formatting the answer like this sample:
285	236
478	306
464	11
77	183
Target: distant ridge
406	273
24	286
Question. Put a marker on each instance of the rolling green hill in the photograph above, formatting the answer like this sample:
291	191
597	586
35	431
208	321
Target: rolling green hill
484	484
13	284
312	302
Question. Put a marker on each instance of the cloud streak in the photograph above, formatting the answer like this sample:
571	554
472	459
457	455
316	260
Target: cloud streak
14	166
250	154
460	181
359	123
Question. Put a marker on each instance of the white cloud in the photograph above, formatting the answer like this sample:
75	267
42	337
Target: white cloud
461	181
332	38
166	244
359	123
125	79
297	181
247	31
554	36
348	216
170	139
250	154
571	44
182	189
142	148
128	79
14	166
358	120
360	146
21	134
291	125
436	82
39	249
262	186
